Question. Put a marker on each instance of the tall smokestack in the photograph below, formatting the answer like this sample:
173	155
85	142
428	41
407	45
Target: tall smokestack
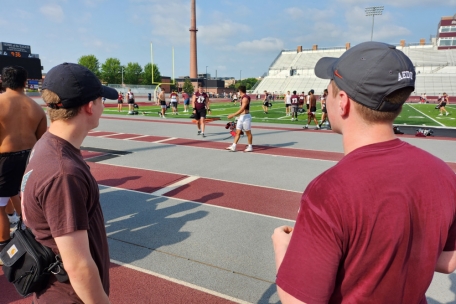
193	30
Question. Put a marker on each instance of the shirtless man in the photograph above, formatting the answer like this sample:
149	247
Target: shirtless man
22	122
244	121
162	101
312	109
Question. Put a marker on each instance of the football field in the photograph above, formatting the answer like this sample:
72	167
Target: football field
412	113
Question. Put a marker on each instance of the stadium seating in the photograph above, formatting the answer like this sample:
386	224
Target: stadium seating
436	70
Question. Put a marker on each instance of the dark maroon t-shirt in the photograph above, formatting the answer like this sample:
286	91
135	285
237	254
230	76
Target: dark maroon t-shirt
294	100
60	196
200	101
370	229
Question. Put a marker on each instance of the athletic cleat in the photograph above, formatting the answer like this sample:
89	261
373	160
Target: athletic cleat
440	114
199	132
318	127
306	127
231	149
447	114
203	134
248	149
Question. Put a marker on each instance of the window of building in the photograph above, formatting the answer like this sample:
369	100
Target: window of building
447	41
447	29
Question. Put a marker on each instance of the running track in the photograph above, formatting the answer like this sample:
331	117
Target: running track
151	287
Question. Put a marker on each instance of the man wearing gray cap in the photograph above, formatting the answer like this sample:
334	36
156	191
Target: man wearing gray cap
60	197
381	231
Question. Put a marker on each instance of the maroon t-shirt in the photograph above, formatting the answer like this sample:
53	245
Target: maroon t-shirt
60	196
200	101
294	100
370	229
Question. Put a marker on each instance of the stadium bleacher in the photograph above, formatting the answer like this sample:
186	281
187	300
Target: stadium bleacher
293	70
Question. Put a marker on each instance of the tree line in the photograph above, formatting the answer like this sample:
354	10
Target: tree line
111	71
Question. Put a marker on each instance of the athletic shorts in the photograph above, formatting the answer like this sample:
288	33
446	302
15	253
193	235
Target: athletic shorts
234	100
244	122
323	110
174	104
163	102
313	110
163	106
120	101
287	105
294	108
307	106
200	113
265	103
131	101
187	101
12	168
443	104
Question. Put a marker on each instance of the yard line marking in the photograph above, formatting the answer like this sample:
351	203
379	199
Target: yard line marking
183	283
176	185
163	140
426	115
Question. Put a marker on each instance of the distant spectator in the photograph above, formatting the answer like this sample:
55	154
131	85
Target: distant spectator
186	99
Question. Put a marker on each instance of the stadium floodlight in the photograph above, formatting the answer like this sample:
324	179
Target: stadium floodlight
373	11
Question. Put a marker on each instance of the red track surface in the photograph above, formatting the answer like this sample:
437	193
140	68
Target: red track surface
129	286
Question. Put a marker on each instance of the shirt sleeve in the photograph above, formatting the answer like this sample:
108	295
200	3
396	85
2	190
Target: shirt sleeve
309	269
64	203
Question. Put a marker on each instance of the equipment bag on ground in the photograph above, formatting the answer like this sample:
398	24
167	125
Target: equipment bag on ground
28	264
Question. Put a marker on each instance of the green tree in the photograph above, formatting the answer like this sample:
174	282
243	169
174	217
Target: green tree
132	73
91	62
247	82
188	87
147	74
111	71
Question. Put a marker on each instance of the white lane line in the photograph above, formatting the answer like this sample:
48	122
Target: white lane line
175	185
183	283
110	135
112	189
163	140
136	137
426	115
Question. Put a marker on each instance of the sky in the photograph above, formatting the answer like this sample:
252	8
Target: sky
235	38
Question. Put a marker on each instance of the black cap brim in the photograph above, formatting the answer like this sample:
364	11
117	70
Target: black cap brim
325	67
109	93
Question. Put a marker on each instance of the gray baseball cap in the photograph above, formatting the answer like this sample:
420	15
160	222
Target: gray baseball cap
369	72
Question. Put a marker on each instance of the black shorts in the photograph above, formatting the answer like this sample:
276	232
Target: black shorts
119	101
287	105
443	104
323	110
174	104
163	102
12	167
200	113
307	106
313	109
265	103
131	101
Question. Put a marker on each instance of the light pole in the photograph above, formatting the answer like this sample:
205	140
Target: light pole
206	79
372	11
122	74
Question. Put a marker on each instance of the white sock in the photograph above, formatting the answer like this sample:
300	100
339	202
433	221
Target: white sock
234	146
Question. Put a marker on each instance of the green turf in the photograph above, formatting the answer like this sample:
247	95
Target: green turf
412	114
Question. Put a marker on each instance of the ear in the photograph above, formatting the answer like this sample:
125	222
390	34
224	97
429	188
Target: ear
344	103
88	108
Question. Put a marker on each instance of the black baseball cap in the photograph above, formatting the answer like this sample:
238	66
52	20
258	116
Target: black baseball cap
369	72
75	85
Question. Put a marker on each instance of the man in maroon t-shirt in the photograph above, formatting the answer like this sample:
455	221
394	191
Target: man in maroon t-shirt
200	104
60	197
380	231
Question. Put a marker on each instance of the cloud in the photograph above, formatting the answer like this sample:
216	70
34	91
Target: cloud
221	32
263	45
53	12
294	13
395	3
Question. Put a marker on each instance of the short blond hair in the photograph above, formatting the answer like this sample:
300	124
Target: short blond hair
50	97
373	116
